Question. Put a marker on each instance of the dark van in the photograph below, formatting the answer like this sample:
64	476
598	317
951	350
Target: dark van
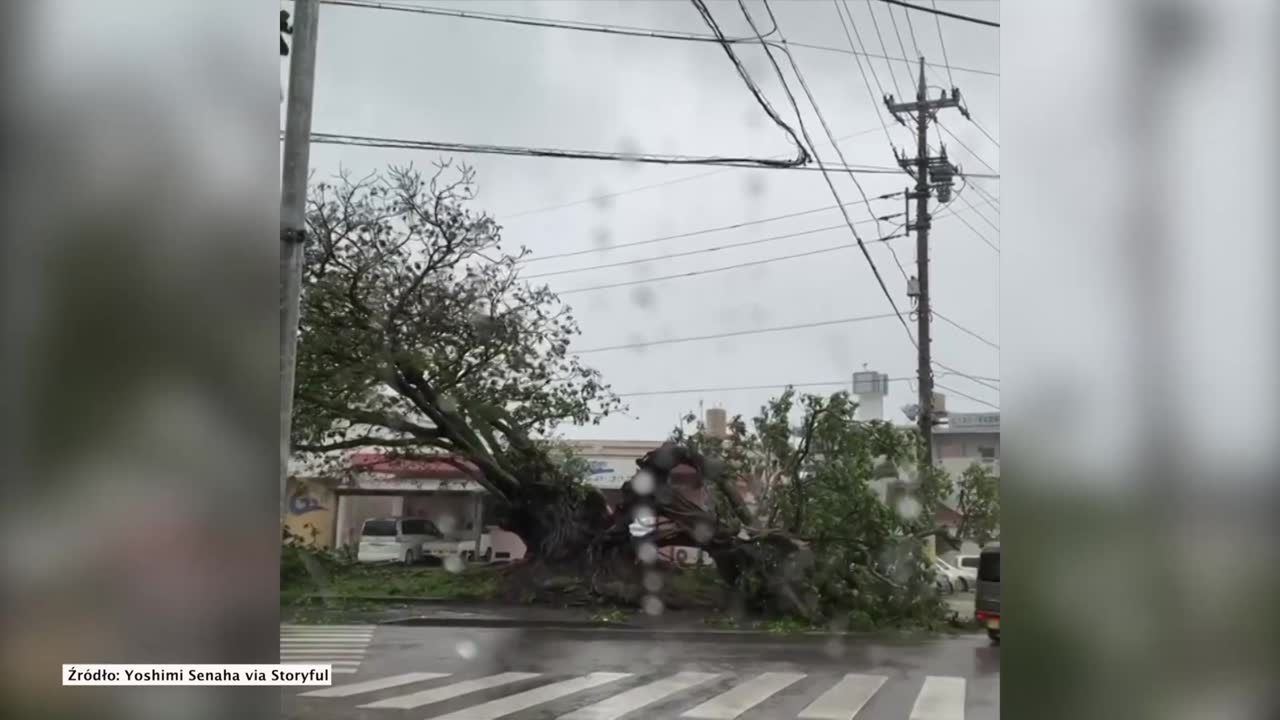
987	597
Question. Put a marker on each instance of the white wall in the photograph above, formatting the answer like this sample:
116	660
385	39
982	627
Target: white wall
353	510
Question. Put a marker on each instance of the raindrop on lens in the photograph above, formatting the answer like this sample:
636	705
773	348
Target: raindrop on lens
648	553
467	650
453	563
652	605
652	582
642	483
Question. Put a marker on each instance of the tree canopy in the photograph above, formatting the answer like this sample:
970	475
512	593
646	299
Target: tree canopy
417	334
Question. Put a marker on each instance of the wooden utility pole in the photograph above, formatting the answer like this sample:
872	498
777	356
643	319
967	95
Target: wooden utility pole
293	211
931	174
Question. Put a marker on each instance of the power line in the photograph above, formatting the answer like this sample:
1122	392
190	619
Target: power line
862	71
970	150
628	30
746	78
943	13
718	228
977	232
942	41
519	150
884	50
967	376
686	253
724	268
485	149
964	329
967	396
736	388
985	219
984	131
901	45
707	231
911	27
741	388
694	233
795	68
738	333
846	51
606	196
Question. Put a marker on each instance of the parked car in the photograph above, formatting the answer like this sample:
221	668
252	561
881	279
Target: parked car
467	548
404	540
986	601
960	579
968	564
941	580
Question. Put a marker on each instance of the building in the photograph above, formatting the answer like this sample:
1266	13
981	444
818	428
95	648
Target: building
328	507
968	438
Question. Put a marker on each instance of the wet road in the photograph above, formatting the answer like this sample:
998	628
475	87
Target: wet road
484	674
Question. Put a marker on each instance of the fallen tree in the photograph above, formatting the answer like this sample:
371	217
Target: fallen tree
419	339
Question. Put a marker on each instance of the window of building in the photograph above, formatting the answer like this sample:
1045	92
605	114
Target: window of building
988	453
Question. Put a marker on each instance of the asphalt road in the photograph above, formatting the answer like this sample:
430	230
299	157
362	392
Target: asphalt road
485	674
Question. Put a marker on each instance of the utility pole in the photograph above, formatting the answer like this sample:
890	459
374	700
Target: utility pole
293	211
931	174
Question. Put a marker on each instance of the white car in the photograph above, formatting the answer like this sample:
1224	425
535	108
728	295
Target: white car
403	540
955	577
968	564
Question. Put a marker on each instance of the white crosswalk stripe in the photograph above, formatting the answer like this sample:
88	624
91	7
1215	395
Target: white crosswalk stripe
839	698
342	646
941	698
374	685
845	699
636	698
447	692
731	704
523	701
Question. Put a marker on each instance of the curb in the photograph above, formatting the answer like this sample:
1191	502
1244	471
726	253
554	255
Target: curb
619	629
320	597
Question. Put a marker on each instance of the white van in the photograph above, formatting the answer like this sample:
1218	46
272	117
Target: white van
404	540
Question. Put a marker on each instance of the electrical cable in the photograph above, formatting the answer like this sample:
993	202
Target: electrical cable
985	219
689	391
485	149
962	328
962	144
901	45
529	21
883	49
817	158
607	196
911	27
945	60
737	333
977	232
967	396
803	157
943	13
725	268
967	376
846	51
875	104
984	131
694	233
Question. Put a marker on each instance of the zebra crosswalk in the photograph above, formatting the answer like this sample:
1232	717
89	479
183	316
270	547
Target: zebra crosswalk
678	695
342	646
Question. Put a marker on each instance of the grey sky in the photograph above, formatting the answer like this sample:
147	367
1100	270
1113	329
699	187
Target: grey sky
403	75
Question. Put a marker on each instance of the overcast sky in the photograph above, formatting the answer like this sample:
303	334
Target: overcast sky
395	74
